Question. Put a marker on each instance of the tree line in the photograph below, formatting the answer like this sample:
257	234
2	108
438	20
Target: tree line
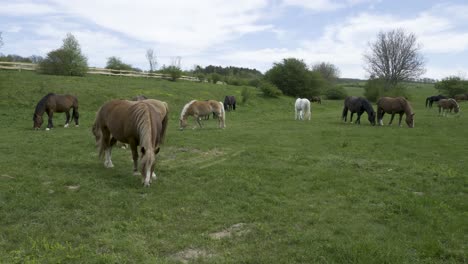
392	59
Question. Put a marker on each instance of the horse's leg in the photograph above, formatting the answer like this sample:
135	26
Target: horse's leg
50	125
399	121
351	117
358	120
67	114
391	119
295	113
106	144
76	116
380	115
134	149
197	118
344	115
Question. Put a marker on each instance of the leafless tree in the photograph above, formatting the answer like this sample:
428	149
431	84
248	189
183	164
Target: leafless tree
394	57
151	59
175	61
328	71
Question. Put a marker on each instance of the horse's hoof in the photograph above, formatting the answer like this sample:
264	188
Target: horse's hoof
47	129
153	175
77	125
65	126
136	173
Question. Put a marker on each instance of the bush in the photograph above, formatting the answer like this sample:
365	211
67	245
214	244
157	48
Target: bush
254	82
115	63
215	78
245	94
293	78
269	89
173	72
336	93
452	86
67	60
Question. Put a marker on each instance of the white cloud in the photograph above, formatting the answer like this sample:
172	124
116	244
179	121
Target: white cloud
325	5
195	25
24	8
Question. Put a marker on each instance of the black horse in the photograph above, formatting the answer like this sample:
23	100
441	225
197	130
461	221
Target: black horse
229	103
434	98
55	103
358	105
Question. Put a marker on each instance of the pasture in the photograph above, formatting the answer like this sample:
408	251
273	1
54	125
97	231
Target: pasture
266	189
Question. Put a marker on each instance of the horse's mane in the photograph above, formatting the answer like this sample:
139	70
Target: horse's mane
406	104
367	106
40	107
184	110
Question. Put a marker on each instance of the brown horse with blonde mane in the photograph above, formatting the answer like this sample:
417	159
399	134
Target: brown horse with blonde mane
137	123
199	109
58	103
447	105
398	105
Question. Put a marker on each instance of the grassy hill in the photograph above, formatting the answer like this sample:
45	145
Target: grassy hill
267	189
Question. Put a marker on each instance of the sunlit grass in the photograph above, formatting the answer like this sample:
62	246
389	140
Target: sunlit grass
318	191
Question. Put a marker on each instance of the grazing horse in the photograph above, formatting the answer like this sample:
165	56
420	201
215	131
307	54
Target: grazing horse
461	97
199	109
137	123
229	102
446	105
358	105
55	103
316	99
434	98
139	98
398	105
302	109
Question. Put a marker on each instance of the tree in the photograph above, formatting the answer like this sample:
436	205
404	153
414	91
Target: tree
328	71
293	78
452	86
66	60
151	59
394	57
116	63
1	40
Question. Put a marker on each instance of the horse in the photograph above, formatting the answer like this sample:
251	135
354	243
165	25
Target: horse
446	105
137	123
316	99
461	97
139	98
434	98
398	105
55	103
302	109
199	109
229	103
358	105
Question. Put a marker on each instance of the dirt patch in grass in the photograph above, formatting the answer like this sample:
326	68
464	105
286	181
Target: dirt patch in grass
190	254
234	230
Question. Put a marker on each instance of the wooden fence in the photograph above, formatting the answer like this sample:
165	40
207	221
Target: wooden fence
19	66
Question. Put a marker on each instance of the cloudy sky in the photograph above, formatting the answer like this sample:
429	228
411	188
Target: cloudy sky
244	33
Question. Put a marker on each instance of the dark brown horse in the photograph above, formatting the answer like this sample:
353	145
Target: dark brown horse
141	123
316	99
358	105
461	97
199	109
398	105
229	102
58	103
447	105
435	98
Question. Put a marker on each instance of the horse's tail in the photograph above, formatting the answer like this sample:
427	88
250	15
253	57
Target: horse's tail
223	116
149	137
75	113
165	121
427	101
345	113
97	132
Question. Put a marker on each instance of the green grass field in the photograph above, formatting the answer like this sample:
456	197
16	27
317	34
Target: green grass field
267	189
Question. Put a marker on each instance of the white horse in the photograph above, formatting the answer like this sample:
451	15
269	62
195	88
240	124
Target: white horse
302	109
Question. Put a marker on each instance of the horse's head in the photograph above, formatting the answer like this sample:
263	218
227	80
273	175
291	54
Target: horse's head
371	117
182	123
410	120
37	119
